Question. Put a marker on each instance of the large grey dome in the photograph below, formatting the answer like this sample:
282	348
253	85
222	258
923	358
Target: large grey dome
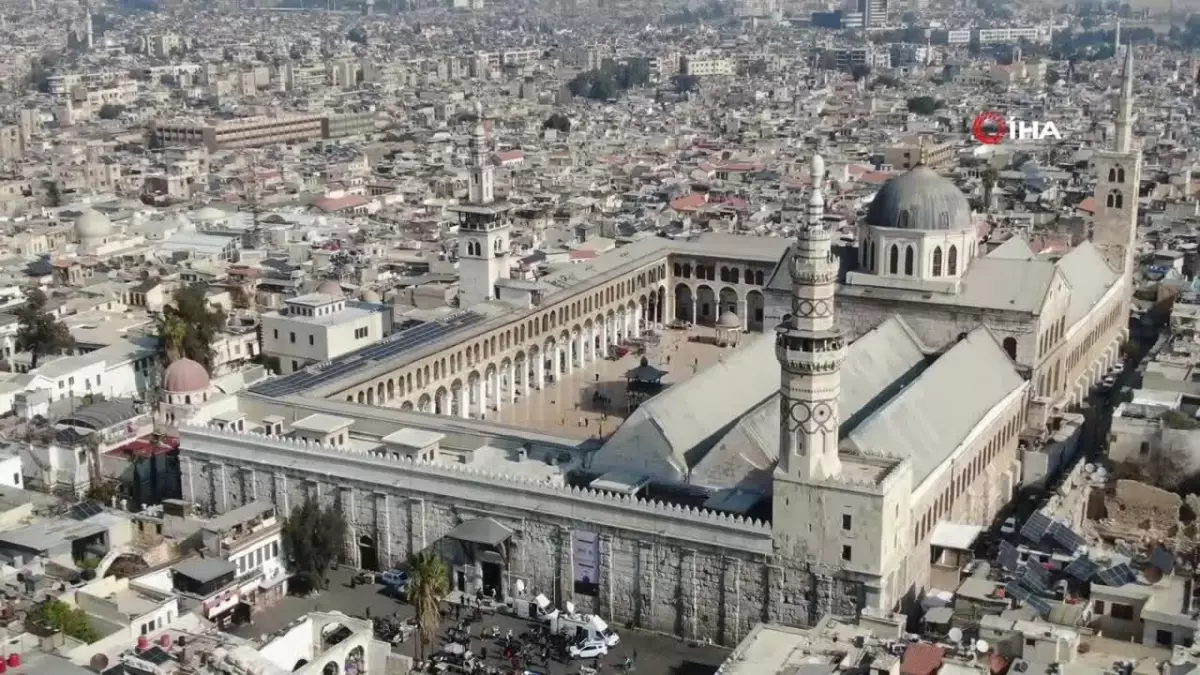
920	200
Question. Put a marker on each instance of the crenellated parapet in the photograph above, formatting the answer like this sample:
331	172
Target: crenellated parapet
504	490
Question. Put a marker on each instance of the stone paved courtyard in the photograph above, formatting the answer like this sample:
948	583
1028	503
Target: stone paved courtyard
566	407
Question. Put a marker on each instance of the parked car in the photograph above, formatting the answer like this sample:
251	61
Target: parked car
1009	525
588	649
1108	382
395	578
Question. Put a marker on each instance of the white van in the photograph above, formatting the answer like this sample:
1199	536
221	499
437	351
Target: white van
583	626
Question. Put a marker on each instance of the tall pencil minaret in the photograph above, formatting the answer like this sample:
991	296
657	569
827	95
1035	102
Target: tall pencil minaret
1117	40
1118	177
88	28
810	349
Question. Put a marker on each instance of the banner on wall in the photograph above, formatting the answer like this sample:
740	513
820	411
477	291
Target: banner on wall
586	551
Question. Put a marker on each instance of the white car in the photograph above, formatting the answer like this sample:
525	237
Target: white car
1108	382
611	638
1009	526
394	578
1118	368
589	649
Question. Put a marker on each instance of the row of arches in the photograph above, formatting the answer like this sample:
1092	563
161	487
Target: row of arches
483	375
727	273
1115	200
704	305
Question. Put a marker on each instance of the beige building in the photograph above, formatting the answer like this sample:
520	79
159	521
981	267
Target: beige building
321	326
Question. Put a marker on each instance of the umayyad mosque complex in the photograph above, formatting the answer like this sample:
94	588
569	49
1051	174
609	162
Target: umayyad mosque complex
880	389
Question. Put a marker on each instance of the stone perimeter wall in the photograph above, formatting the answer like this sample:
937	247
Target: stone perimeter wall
692	573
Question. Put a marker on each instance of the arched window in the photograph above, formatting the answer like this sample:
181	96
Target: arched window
1112	175
734	274
952	261
1010	347
687	271
1115	200
1120	174
677	269
910	257
871	257
937	261
894	260
758	278
724	274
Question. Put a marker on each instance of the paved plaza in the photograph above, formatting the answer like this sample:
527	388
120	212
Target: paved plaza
655	654
567	408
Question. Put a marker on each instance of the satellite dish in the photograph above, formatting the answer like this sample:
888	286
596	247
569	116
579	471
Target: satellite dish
956	634
982	646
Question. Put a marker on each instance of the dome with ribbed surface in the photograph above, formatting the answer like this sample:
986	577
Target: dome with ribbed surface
331	287
920	200
185	376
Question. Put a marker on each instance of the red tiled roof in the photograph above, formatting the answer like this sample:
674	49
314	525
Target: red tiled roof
142	447
690	202
876	177
1088	205
509	155
332	204
921	659
583	254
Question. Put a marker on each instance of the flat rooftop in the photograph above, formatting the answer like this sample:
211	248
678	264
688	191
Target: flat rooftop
347	371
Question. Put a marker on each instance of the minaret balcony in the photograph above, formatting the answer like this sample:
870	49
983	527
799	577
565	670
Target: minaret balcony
810	363
808	276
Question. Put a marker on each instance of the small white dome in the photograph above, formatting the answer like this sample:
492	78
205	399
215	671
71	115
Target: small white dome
371	297
210	213
729	320
92	224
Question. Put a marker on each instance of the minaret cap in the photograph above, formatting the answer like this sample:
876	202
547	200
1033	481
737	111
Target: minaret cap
817	167
922	152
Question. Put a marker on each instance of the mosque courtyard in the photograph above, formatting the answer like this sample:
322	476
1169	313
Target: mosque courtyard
570	407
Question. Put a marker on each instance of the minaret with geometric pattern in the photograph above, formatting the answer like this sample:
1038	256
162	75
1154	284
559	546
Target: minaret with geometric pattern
810	349
484	226
1118	177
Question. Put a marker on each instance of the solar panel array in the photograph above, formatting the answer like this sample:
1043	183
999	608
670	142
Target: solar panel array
1066	537
393	347
1036	527
1162	560
1038	605
1035	577
84	510
1082	568
1008	557
1117	575
1017	591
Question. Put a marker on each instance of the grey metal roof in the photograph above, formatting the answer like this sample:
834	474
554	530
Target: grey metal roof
484	531
878	364
204	570
920	199
101	415
1089	277
932	416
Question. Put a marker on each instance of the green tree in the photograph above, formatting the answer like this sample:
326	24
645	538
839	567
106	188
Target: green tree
202	325
313	538
923	105
358	35
110	111
53	194
860	72
685	83
54	616
38	331
558	121
428	586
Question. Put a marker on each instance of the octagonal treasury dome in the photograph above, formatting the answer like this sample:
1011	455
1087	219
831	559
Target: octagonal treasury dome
185	376
920	199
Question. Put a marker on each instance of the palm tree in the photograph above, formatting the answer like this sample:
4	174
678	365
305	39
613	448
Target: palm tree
172	330
428	586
